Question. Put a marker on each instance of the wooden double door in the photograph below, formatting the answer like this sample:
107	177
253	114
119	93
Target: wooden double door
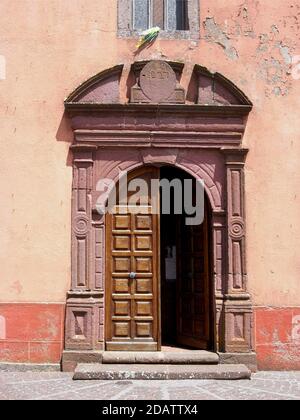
151	299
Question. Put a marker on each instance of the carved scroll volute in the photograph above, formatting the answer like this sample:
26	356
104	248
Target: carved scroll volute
81	217
237	272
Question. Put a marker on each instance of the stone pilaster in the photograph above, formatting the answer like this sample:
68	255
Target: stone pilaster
84	302
238	306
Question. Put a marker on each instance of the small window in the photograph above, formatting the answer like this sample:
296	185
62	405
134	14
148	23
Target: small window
177	19
169	15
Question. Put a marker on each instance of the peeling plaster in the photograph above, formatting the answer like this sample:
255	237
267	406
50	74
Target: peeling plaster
274	59
274	53
214	33
285	52
2	328
296	328
275	29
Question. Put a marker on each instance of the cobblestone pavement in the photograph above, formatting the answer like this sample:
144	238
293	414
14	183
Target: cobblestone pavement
60	386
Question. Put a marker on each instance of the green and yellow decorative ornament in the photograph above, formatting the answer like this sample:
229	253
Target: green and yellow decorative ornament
147	37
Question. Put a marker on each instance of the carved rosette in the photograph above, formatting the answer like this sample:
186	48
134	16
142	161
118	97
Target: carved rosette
237	229
81	226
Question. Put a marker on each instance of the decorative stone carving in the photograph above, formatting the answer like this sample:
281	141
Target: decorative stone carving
202	139
81	225
84	321
84	306
205	88
215	89
99	243
237	228
219	231
235	161
238	306
238	322
157	83
81	215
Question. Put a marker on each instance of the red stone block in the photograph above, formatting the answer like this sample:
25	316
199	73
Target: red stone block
45	352
14	352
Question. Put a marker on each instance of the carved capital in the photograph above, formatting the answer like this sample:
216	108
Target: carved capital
235	156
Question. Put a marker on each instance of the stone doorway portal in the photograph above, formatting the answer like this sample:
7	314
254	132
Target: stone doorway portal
197	128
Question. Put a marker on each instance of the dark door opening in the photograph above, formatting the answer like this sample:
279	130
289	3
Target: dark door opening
185	276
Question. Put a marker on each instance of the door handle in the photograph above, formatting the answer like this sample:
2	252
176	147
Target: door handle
132	275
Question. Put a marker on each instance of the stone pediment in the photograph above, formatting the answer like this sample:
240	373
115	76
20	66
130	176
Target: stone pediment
158	82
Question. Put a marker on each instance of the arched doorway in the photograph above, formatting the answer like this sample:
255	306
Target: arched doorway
158	268
185	274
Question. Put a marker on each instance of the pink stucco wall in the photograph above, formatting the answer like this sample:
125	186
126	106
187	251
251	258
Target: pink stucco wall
50	47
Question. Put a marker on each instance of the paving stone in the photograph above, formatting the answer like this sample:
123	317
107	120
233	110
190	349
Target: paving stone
60	386
29	367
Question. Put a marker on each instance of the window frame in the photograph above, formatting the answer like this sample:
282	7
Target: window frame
126	30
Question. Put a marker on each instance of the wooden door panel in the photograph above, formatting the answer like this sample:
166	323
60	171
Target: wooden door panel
193	286
132	304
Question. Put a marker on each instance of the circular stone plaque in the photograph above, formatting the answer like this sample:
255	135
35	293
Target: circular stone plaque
158	81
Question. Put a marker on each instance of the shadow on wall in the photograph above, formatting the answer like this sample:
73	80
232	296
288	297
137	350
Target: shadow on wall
65	134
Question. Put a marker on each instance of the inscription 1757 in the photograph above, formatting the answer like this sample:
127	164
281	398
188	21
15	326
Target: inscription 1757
158	81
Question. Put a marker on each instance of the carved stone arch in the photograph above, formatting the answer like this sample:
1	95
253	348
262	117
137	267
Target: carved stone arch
101	88
211	188
201	171
199	131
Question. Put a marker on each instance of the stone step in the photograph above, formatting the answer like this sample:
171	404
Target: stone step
189	357
97	371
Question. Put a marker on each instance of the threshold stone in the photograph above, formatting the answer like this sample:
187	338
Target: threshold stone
97	371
